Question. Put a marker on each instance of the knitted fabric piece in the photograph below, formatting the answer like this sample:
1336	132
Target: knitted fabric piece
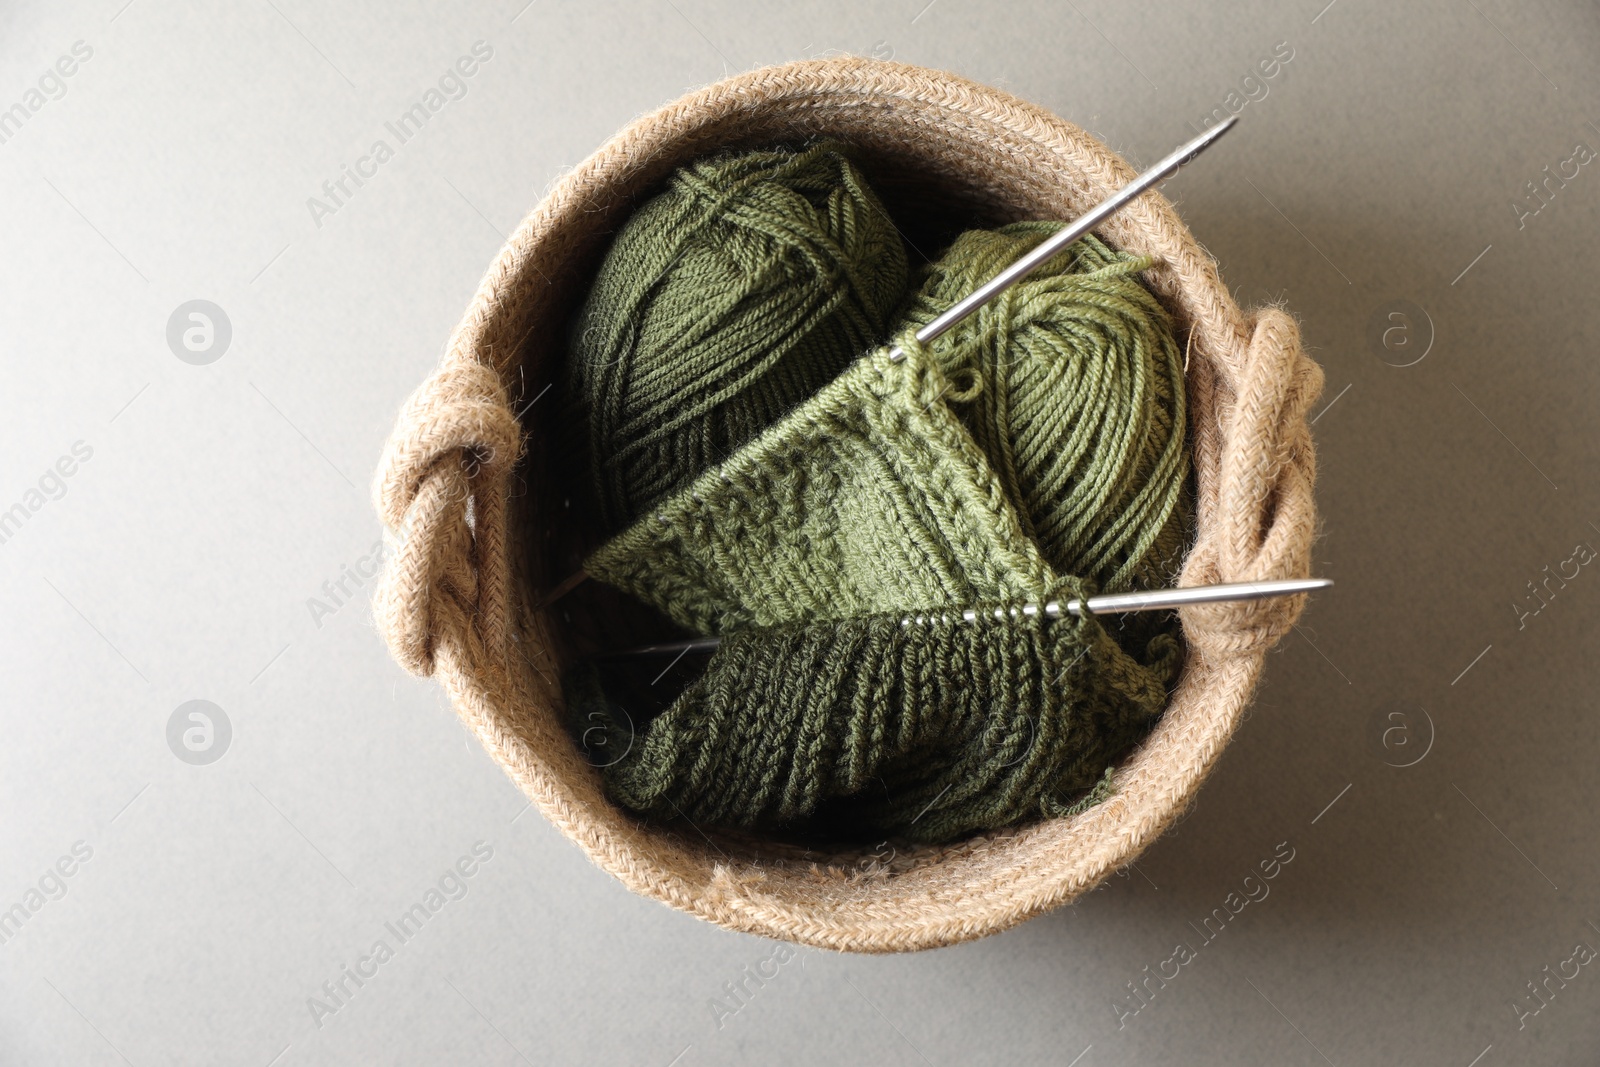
926	732
722	303
870	497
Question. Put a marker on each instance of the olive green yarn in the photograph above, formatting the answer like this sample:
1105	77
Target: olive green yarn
923	732
1072	384
722	303
1037	450
869	502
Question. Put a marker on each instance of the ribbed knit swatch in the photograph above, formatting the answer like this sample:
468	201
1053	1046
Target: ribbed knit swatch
926	732
722	303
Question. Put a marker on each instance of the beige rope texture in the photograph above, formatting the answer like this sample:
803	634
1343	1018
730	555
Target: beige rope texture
457	598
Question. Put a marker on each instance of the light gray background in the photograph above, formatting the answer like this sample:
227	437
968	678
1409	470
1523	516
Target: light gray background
1381	165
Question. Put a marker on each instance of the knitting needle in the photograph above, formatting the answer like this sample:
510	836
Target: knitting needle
1027	264
1021	268
1106	604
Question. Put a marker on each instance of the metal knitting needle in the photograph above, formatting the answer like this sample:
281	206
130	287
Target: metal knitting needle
1021	268
1106	604
1027	264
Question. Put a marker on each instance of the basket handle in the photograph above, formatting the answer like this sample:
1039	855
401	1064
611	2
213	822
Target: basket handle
441	492
1257	509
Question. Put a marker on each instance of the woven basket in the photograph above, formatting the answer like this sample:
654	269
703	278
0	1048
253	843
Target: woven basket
481	531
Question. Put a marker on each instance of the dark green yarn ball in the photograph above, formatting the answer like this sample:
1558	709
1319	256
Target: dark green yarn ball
723	302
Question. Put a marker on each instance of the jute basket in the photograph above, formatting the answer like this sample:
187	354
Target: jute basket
481	528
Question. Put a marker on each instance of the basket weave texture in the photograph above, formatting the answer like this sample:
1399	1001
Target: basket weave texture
468	567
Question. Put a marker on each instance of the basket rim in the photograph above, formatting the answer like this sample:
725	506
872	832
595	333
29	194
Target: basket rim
990	883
